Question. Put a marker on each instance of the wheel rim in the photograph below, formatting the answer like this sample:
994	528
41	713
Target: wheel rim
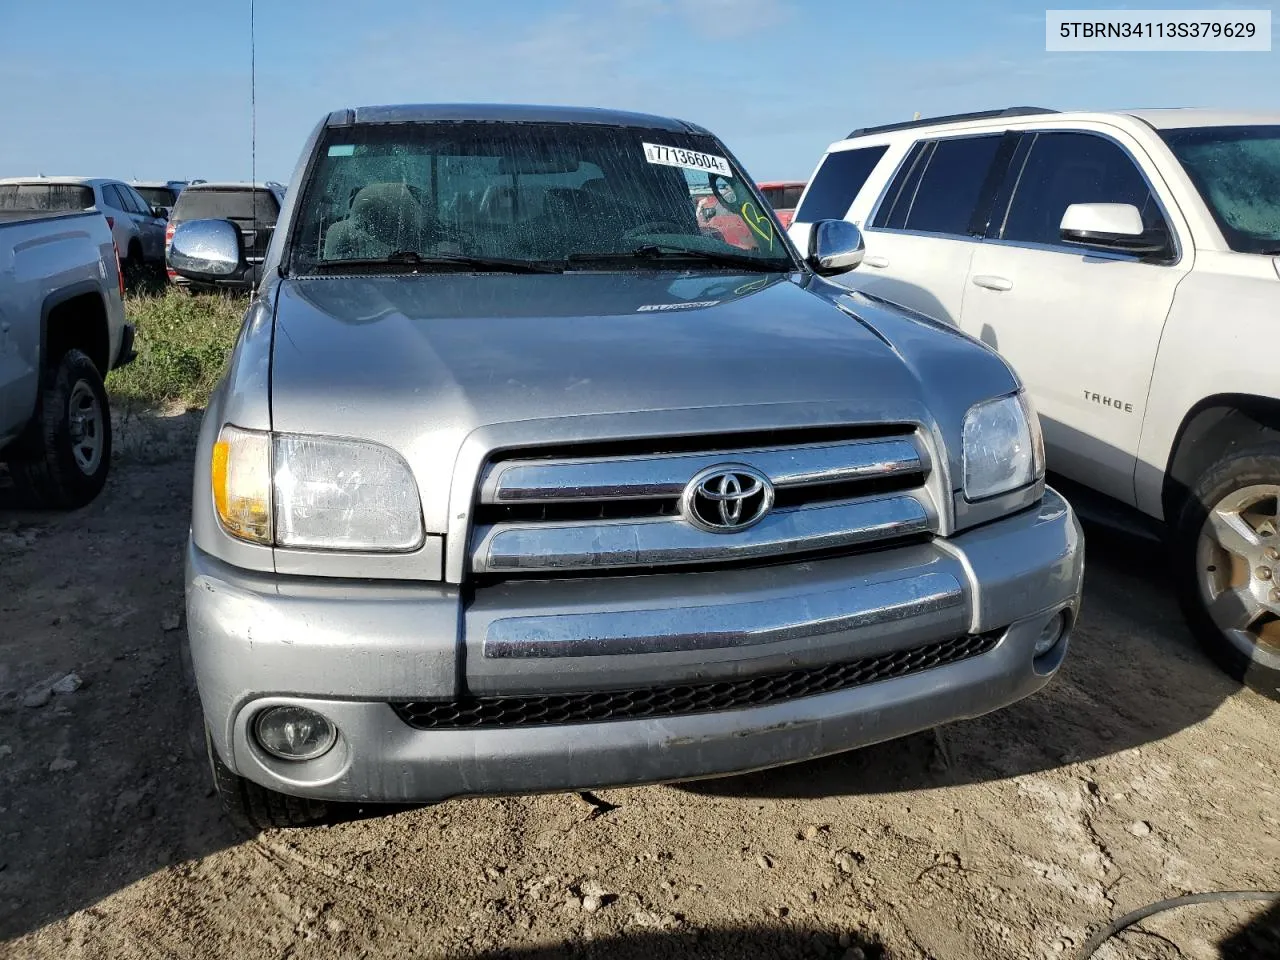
84	416
1238	562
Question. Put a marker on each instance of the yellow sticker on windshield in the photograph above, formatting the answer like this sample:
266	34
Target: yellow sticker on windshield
758	222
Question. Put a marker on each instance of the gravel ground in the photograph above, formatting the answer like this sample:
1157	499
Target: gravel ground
1139	773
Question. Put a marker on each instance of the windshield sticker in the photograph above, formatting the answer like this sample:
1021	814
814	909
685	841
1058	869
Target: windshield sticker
758	222
691	305
342	150
687	159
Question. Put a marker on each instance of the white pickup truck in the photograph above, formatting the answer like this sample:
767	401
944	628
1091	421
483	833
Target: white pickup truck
62	327
1128	266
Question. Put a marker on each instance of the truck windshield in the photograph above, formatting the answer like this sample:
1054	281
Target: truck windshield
1236	170
572	196
62	197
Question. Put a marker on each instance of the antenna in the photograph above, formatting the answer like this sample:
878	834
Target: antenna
253	131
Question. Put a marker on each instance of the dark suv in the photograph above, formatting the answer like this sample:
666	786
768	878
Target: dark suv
254	209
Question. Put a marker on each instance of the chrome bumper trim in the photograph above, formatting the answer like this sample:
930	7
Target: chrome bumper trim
718	626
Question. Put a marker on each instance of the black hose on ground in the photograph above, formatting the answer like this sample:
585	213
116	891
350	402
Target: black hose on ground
1129	919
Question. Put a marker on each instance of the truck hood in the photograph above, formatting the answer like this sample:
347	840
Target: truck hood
421	362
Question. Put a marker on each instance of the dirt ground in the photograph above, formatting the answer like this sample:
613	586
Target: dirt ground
1139	773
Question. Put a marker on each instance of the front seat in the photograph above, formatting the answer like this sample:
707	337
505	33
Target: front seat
384	218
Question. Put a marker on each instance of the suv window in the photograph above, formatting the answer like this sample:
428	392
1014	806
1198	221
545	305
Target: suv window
893	208
837	182
939	185
112	197
227	204
1066	168
134	202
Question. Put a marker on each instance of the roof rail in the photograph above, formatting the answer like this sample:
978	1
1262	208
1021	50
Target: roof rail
952	118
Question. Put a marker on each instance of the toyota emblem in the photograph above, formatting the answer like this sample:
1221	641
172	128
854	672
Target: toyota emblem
726	498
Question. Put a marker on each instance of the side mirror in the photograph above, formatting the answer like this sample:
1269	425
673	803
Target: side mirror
835	246
1112	226
207	249
160	213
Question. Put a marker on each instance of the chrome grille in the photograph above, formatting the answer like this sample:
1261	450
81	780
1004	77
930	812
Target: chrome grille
620	509
688	698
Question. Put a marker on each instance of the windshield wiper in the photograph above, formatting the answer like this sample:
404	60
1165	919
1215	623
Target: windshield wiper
438	262
662	251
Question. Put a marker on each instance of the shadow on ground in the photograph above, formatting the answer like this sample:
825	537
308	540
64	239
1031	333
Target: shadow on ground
98	785
738	943
1134	675
1257	939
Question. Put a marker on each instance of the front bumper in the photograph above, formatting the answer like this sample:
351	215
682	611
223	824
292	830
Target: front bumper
350	650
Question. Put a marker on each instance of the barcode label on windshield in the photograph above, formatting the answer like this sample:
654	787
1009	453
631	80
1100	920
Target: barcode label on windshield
688	159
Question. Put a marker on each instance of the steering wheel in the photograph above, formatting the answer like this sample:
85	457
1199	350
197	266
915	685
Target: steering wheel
654	226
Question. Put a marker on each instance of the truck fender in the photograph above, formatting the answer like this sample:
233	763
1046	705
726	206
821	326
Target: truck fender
99	352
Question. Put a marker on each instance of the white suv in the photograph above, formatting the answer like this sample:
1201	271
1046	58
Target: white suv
1128	266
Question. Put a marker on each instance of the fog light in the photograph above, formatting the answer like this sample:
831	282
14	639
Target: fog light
1051	634
294	733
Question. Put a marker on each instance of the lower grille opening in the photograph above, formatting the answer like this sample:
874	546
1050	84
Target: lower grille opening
690	698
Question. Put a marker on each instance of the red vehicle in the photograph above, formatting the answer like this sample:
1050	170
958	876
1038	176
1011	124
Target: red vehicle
783	196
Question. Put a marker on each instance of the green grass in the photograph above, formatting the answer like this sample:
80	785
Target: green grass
183	343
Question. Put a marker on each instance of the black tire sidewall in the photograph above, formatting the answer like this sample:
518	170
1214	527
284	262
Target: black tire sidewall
1244	468
74	487
231	789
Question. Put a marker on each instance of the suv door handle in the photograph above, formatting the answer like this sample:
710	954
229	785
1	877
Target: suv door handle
993	283
876	261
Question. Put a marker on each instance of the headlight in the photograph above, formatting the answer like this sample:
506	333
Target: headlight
1003	449
314	492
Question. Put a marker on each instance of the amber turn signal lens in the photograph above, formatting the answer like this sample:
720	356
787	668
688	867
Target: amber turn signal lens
240	472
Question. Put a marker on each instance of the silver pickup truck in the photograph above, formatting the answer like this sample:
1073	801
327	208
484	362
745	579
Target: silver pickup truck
62	327
523	478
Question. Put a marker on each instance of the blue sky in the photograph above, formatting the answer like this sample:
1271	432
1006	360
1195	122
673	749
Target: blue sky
161	89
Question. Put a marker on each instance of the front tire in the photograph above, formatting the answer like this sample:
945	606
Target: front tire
1227	552
252	807
69	452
